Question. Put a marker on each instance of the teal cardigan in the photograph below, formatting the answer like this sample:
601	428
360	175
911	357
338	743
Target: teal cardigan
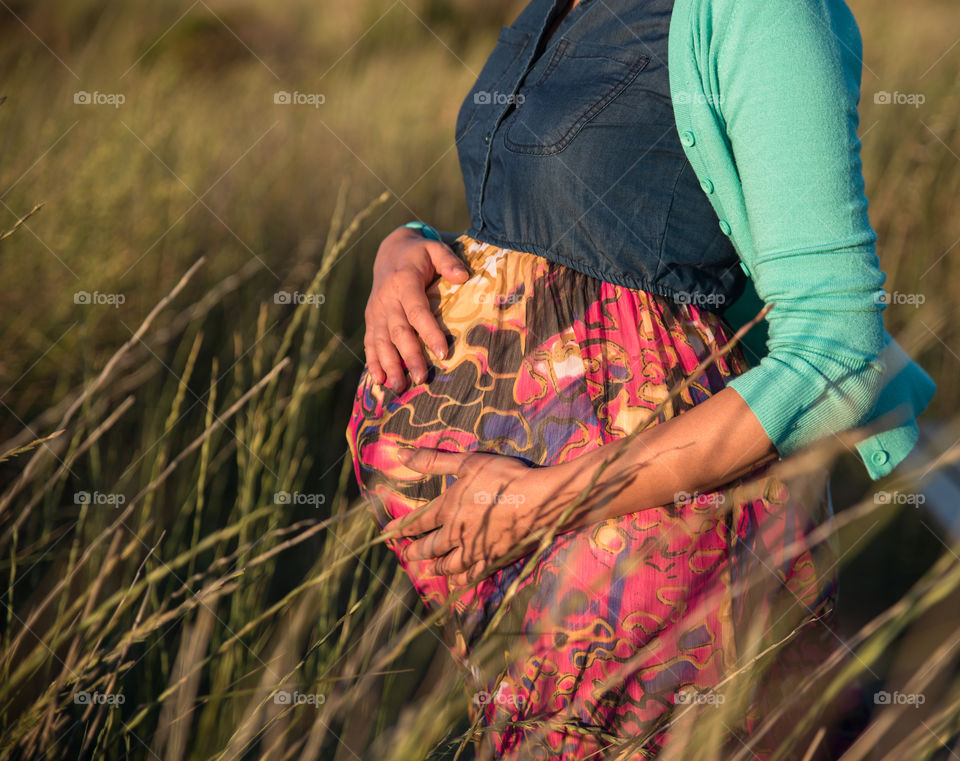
765	96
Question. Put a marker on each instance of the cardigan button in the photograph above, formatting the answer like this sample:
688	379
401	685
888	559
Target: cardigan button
706	185
744	268
880	457
725	227
688	138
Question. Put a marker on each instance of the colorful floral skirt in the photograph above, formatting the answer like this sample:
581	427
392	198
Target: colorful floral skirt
622	631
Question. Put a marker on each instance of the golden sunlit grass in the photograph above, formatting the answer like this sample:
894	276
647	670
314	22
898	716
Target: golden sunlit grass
180	551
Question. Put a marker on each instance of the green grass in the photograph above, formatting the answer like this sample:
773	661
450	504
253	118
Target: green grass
199	398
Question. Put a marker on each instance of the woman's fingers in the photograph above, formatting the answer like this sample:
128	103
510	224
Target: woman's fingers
469	577
434	461
433	545
421	318
387	356
447	264
452	563
428	520
373	364
404	340
398	315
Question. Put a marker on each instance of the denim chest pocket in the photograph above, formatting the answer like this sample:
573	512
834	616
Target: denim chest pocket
577	83
510	45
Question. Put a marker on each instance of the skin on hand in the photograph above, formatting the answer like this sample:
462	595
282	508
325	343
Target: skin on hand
399	321
492	508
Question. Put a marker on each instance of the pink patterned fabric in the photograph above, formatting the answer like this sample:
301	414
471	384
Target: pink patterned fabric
618	621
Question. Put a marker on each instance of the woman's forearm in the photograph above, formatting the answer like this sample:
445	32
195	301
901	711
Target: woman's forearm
697	451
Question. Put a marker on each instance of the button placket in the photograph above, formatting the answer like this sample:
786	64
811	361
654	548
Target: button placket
531	45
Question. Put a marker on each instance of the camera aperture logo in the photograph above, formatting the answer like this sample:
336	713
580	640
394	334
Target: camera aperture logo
84	698
297	98
884	698
286	297
488	498
99	498
84	98
686	97
701	299
899	498
501	698
299	498
884	98
96	298
707	498
898	297
692	696
287	698
496	98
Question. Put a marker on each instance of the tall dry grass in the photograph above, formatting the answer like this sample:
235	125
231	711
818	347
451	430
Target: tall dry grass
188	593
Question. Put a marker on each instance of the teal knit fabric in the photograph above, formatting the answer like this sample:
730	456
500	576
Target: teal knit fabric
765	97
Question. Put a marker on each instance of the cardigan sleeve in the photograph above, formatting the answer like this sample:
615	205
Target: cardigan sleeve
788	77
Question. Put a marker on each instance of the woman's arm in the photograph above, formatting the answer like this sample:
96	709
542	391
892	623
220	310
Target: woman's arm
787	80
707	446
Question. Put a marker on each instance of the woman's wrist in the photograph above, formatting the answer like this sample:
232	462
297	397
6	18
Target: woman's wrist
430	233
425	230
565	506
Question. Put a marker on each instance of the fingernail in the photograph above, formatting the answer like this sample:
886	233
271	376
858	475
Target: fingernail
404	455
440	351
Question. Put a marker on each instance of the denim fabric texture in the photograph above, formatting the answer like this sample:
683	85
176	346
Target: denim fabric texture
569	149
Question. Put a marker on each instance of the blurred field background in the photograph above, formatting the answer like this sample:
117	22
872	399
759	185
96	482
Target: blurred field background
202	595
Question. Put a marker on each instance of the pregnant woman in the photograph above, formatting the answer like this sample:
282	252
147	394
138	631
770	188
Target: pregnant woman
619	207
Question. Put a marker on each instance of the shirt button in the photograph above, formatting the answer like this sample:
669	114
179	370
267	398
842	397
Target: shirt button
880	457
706	185
688	138
725	227
486	139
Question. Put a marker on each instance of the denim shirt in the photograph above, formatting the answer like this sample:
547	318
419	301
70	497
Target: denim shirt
569	149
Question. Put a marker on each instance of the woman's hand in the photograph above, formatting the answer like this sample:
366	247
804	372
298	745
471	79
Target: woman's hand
398	310
492	508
